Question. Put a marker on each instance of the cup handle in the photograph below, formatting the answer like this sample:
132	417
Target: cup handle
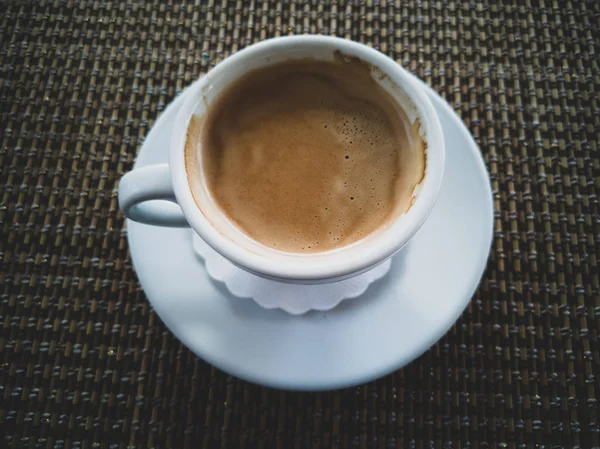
138	191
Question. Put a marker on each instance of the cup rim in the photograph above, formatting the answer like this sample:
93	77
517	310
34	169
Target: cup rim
327	266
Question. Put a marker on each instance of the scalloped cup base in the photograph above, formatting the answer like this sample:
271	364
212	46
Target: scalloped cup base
295	299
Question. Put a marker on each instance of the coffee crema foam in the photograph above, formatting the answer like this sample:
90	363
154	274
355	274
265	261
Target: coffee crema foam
306	156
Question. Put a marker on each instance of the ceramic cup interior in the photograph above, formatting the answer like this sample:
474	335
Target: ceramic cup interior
214	228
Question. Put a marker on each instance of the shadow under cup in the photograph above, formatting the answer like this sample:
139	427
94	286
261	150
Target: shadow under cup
211	224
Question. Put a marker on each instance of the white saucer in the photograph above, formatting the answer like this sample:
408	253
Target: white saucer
399	317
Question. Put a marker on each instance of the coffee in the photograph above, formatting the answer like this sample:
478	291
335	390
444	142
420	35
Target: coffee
306	156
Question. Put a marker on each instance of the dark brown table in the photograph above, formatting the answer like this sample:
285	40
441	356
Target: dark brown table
85	362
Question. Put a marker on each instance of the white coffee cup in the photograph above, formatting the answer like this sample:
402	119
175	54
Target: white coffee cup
169	181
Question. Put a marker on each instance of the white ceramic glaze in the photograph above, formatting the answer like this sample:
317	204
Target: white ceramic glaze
399	317
292	298
226	239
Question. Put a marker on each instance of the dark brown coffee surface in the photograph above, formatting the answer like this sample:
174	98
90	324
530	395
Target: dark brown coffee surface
308	156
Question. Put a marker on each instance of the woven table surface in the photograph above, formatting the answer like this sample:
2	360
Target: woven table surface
86	363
